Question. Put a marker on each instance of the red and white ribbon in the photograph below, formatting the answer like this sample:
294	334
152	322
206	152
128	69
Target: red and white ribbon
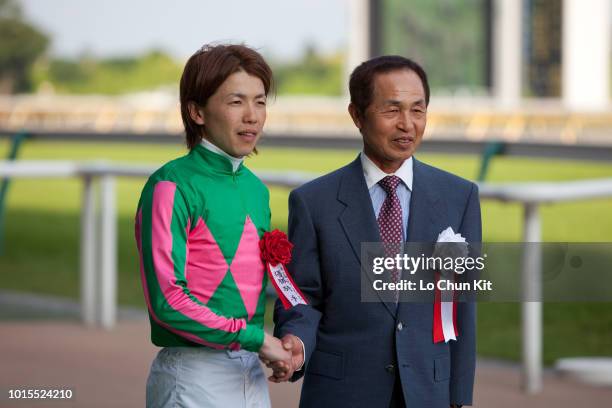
445	316
288	292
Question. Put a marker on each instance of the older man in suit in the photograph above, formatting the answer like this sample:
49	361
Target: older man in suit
357	354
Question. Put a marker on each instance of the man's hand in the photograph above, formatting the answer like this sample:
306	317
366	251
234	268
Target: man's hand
283	370
273	350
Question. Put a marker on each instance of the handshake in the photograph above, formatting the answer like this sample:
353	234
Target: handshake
284	356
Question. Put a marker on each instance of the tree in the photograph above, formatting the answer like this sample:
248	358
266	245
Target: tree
10	9
20	45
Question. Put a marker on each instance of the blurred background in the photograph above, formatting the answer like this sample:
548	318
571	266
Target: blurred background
520	94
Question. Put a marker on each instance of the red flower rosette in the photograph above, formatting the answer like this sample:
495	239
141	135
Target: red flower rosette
276	254
275	247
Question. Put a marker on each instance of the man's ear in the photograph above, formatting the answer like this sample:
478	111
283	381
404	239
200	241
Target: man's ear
355	115
196	113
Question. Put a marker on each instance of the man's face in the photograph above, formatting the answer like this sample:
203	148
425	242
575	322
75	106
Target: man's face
233	117
393	125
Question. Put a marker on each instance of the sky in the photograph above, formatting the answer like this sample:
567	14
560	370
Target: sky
277	28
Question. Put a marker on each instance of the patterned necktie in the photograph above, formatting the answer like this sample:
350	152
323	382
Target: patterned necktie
390	221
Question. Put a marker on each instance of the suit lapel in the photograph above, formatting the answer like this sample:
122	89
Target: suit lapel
427	211
358	219
427	217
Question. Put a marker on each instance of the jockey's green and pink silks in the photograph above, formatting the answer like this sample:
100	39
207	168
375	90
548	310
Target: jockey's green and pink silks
198	227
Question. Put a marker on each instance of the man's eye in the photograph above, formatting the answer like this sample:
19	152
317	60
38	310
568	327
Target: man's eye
237	102
263	103
393	110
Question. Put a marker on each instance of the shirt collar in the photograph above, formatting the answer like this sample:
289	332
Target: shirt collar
235	161
373	174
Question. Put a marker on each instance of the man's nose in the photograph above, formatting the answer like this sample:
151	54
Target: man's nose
249	114
406	121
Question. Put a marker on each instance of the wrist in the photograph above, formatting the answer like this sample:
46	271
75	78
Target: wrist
266	343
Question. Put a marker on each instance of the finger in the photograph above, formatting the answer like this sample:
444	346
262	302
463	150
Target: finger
286	377
283	373
288	342
280	373
280	367
297	361
277	365
281	376
277	380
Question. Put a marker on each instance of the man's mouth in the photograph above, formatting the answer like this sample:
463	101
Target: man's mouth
248	134
404	140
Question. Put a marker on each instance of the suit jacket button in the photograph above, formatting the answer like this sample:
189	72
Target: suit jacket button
400	326
390	368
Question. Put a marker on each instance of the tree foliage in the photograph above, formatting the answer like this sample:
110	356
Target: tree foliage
20	45
313	74
110	76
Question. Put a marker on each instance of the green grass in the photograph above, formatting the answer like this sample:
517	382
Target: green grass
42	232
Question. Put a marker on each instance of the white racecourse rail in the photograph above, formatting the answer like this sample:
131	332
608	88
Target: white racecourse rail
99	259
